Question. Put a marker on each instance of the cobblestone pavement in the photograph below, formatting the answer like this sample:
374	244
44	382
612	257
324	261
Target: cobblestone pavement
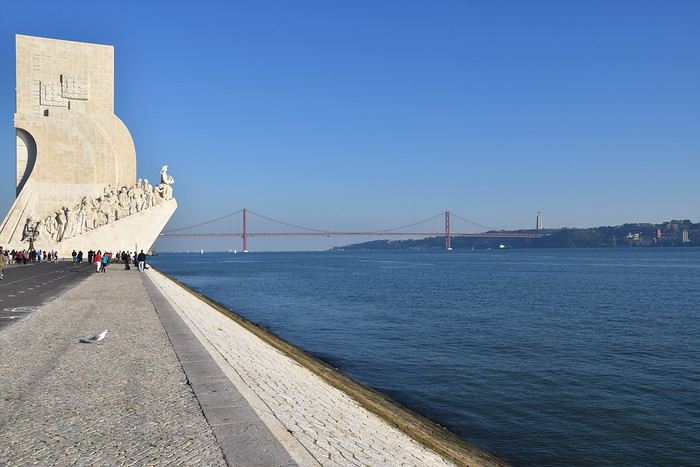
124	401
26	287
329	424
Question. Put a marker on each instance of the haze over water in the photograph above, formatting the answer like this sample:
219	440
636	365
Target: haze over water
544	357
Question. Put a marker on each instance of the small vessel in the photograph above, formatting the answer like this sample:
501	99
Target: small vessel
201	252
235	252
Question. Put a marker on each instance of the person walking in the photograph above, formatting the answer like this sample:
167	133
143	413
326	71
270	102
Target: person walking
142	261
98	260
2	262
105	261
74	254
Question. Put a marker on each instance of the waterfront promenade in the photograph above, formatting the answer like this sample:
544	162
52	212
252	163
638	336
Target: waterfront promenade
177	381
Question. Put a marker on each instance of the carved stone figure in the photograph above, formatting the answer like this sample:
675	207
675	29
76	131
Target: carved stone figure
61	222
70	223
114	202
27	231
100	214
49	226
149	195
90	216
139	197
80	222
132	201
164	189
108	208
124	208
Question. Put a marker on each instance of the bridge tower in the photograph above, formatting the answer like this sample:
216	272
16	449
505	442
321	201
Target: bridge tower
245	233
448	233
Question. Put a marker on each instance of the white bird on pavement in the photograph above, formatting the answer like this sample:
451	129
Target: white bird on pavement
97	338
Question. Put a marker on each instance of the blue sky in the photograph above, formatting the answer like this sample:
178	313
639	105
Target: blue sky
369	114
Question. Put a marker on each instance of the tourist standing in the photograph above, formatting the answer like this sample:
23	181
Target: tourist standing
98	260
91	256
142	261
2	262
105	261
74	255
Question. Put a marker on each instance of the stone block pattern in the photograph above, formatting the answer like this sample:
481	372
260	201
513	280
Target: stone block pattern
330	425
124	401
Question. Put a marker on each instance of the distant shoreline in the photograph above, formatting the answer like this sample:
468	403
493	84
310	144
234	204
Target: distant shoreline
675	233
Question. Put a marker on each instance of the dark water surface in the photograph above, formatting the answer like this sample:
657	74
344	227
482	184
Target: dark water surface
543	357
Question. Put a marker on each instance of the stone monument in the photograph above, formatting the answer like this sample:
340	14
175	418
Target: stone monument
76	162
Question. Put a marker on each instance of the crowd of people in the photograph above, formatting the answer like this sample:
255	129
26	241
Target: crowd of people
28	256
102	259
99	258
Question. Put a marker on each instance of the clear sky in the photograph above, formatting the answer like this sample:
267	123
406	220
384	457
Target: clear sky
369	114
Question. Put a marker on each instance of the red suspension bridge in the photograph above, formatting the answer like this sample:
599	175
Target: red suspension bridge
247	224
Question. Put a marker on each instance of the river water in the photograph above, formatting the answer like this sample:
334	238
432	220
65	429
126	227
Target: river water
543	357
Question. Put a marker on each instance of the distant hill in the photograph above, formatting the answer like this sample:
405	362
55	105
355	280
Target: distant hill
671	233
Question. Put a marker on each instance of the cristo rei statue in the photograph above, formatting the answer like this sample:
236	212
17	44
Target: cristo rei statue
76	163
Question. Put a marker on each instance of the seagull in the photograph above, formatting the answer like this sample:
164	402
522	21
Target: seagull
97	338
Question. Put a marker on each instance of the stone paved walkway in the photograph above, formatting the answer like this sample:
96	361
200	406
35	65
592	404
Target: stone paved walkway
124	401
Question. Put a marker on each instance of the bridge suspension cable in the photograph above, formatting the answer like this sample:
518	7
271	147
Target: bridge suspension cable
201	224
288	224
472	222
402	227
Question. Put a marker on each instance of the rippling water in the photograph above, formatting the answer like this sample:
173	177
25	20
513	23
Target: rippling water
562	357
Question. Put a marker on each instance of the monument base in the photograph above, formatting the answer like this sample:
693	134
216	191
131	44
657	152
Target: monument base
136	232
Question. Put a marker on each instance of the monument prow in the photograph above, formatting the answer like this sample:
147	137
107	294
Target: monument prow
76	179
